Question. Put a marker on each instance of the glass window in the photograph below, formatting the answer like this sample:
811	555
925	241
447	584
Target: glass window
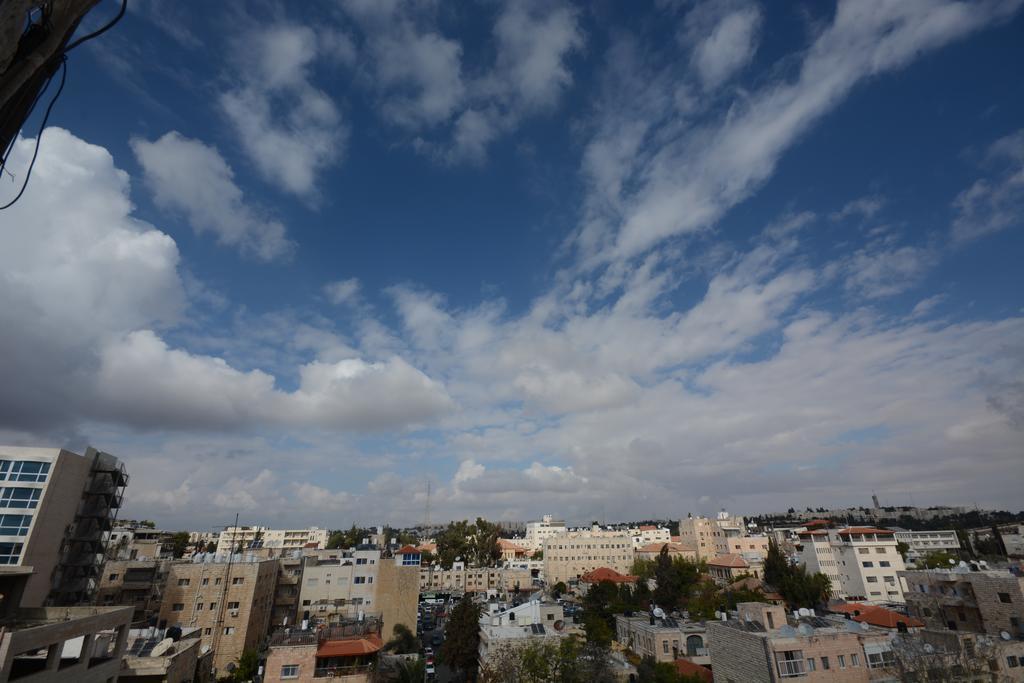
238	580
824	664
16	525
854	659
1004	597
24	470
178	607
290	671
18	497
842	661
9	553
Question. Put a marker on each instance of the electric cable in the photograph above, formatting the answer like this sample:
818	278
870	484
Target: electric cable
103	29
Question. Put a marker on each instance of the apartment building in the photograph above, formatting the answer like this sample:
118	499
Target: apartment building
230	599
339	585
921	543
519	626
759	645
568	557
725	569
664	639
344	653
511	551
710	536
285	612
959	599
233	538
398	589
652	550
649	534
138	583
184	661
136	543
538	532
56	510
862	562
462	579
748	547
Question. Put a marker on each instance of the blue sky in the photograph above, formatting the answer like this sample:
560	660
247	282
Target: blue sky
610	260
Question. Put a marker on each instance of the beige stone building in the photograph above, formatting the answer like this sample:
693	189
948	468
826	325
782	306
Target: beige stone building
539	531
230	601
725	569
339	585
462	579
648	534
651	551
56	510
285	611
185	661
346	654
568	557
138	583
760	646
664	639
252	537
989	602
710	536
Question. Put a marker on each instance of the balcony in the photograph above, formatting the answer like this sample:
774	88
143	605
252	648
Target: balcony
791	668
342	671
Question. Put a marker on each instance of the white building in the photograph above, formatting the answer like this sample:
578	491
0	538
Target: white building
518	626
55	511
861	562
648	534
538	532
923	542
253	537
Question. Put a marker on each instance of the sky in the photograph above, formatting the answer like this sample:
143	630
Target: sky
603	260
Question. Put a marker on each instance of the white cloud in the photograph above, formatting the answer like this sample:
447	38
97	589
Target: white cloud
701	171
288	127
879	272
193	179
342	291
993	204
865	207
724	41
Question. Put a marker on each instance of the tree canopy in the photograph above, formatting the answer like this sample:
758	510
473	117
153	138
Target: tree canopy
475	543
462	637
797	587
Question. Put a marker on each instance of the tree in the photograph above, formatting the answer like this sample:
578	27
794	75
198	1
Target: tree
178	542
937	559
796	586
211	547
902	548
462	638
669	589
537	554
403	641
476	543
559	589
597	629
411	671
565	660
248	666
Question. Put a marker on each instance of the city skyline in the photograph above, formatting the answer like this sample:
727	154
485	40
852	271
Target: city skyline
616	261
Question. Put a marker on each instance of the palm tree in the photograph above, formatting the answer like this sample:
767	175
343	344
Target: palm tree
403	641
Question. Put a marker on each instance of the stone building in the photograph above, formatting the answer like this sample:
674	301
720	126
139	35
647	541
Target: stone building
341	653
569	556
665	639
138	583
230	599
960	599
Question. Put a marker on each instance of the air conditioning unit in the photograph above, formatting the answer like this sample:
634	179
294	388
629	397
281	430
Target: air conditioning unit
233	612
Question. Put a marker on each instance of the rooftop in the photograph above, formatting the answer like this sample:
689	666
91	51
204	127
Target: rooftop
606	574
730	560
876	616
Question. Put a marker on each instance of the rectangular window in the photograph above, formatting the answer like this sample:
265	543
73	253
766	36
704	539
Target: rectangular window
14	525
1005	597
9	553
872	579
18	497
229	630
884	563
811	664
216	581
824	664
868	564
664	646
199	607
863	551
23	470
232	605
237	581
290	671
842	661
206	581
880	551
178	607
112	577
854	659
1012	662
359	579
207	631
184	582
213	605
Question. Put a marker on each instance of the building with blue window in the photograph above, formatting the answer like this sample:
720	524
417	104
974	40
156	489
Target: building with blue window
56	512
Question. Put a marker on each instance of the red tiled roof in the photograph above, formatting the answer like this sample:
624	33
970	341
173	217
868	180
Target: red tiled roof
876	616
865	530
815	532
818	522
350	647
605	574
729	560
684	667
648	527
506	544
408	550
676	539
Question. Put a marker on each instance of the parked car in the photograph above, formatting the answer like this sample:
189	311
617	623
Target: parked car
438	639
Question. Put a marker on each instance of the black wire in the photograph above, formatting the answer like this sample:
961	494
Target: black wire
39	136
103	29
28	114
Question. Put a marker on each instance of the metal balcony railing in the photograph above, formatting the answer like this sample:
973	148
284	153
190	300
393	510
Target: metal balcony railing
791	668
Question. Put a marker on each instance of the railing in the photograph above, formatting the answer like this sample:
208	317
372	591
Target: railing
790	668
340	671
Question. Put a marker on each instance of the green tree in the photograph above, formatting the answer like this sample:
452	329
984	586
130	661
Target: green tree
248	666
211	547
642	569
411	671
796	586
453	543
597	629
462	638
902	548
178	542
403	641
559	589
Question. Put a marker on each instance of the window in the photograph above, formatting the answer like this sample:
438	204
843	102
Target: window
199	607
15	525
305	603
790	663
23	470
880	551
237	581
854	659
884	563
312	582
881	660
864	551
9	553
178	607
872	579
811	664
369	579
216	581
206	581
664	646
290	671
213	605
842	661
229	630
113	577
207	631
232	605
868	564
18	497
824	664
184	582
360	560
359	579
1012	661
1004	597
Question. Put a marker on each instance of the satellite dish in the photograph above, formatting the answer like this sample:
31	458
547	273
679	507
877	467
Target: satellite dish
804	612
559	625
952	561
161	648
659	613
1004	635
205	648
